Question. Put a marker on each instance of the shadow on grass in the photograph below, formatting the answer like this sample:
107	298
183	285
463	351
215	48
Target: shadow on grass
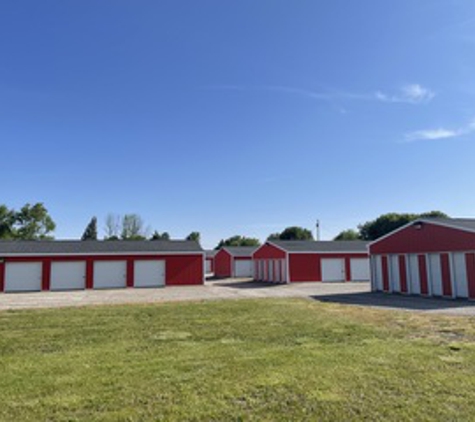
395	301
247	284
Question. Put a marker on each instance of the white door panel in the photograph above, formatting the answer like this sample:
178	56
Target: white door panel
243	268
394	279
435	274
23	276
110	274
413	278
359	269
333	269
149	273
460	274
68	275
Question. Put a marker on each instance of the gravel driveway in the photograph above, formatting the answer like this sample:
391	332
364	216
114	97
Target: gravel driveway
345	293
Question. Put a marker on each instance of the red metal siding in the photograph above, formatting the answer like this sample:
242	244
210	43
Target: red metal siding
347	269
222	264
46	275
89	273
385	271
268	251
402	273
429	238
423	274
445	270
470	263
307	266
304	267
2	276
130	272
180	269
184	270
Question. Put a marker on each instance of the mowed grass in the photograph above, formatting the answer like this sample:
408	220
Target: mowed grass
275	360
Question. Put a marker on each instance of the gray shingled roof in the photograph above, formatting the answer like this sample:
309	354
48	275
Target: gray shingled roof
321	246
456	223
19	247
211	253
241	251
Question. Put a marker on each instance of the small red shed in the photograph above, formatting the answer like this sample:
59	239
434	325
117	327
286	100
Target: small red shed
73	264
234	261
431	257
288	261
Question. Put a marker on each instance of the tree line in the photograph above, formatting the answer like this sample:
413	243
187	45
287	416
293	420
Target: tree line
33	222
384	224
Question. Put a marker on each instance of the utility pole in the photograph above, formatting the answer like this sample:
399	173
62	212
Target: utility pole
317	230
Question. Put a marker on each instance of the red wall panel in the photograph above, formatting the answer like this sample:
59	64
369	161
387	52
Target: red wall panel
180	269
304	267
2	276
402	273
222	264
429	238
307	266
423	274
268	251
446	279
184	270
470	263
385	271
46	275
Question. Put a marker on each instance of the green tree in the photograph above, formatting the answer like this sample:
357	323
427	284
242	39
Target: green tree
90	233
292	233
386	223
238	241
160	236
33	222
7	219
132	227
349	234
194	236
112	227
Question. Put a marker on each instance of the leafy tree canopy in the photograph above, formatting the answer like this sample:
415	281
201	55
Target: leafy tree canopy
31	222
386	223
90	233
293	233
238	241
349	234
194	236
160	236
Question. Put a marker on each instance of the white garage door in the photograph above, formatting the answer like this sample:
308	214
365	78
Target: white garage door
460	275
68	275
243	268
149	273
110	274
394	279
23	277
412	264
333	269
435	272
208	267
359	269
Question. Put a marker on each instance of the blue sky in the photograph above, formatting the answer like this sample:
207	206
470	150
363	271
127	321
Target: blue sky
237	117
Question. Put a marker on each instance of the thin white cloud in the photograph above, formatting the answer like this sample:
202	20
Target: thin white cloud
440	133
409	94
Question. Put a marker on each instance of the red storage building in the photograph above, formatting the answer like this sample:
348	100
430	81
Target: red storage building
70	265
431	257
234	261
289	261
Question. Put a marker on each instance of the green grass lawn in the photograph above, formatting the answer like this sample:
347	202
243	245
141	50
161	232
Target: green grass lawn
235	360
